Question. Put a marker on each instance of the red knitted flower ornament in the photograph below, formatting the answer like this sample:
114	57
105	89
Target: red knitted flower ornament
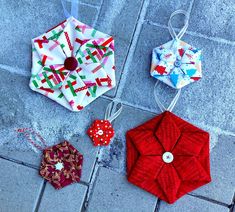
168	156
61	164
101	132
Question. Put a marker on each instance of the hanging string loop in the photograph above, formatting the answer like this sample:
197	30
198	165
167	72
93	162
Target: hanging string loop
183	30
113	110
74	9
173	102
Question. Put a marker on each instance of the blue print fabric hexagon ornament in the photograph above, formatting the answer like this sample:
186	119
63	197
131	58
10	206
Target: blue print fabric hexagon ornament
176	63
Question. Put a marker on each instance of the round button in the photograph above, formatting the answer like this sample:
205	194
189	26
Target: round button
177	63
100	132
70	63
167	157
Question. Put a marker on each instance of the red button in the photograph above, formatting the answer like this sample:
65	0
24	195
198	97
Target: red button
70	63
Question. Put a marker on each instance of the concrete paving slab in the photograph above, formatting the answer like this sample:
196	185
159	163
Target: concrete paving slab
112	192
214	18
19	188
192	204
222	187
68	199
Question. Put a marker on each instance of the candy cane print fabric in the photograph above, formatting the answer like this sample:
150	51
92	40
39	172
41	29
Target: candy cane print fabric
73	64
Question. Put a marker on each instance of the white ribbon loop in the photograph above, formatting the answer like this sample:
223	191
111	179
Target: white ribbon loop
173	102
113	110
74	9
183	30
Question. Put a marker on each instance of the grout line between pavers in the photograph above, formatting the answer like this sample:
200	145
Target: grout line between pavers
86	4
232	206
132	47
15	70
208	199
28	165
191	7
98	14
194	34
90	5
128	49
157	207
91	186
39	199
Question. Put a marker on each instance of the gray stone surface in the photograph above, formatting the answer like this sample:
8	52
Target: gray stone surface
160	11
206	101
92	2
214	18
25	19
115	154
222	171
21	107
112	192
192	204
119	18
68	199
19	187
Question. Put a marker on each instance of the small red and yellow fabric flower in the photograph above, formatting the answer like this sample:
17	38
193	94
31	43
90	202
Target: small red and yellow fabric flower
101	132
61	165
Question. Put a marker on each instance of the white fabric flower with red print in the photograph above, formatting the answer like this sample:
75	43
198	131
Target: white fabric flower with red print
73	64
176	63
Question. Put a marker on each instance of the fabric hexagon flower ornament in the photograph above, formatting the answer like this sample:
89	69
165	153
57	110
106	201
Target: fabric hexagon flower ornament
168	157
61	165
101	132
177	63
73	64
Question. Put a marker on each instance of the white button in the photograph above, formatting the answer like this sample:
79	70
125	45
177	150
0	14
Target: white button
167	157
100	132
59	166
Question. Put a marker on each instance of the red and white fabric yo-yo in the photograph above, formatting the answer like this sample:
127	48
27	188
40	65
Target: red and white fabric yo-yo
101	132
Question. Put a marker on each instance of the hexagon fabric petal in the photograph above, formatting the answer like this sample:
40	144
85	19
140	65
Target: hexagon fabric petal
61	165
73	64
176	63
172	161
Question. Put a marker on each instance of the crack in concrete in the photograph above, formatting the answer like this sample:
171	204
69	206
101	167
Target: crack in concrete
39	199
194	34
209	199
132	48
